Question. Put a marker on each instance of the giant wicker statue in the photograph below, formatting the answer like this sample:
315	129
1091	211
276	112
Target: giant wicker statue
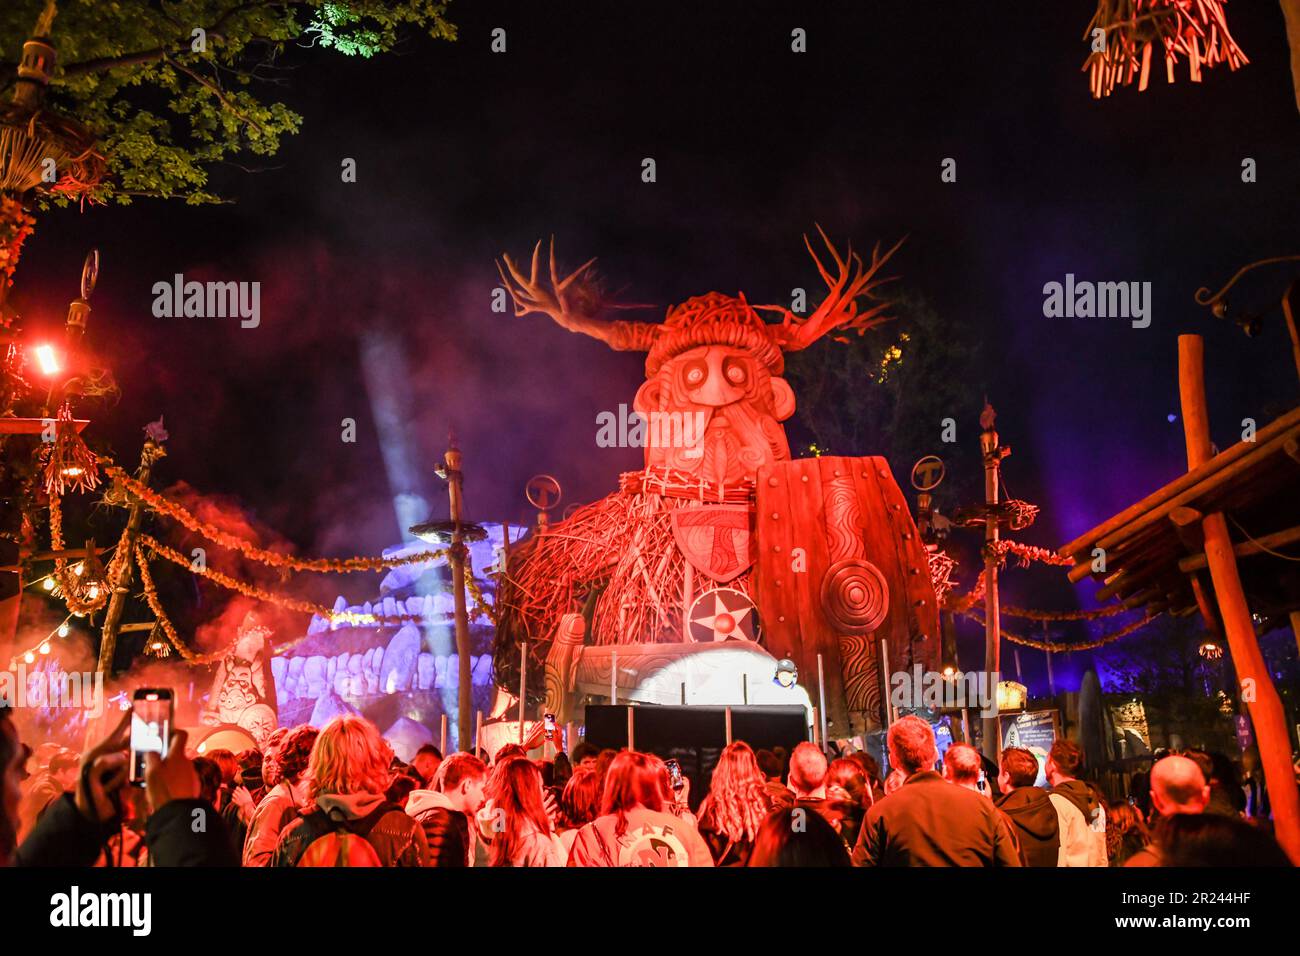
722	535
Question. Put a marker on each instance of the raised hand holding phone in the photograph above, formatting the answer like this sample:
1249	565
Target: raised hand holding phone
173	777
104	774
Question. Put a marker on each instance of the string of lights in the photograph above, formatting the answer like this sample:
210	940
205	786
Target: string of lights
42	647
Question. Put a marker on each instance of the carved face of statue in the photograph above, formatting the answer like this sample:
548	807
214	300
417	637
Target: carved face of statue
715	412
237	692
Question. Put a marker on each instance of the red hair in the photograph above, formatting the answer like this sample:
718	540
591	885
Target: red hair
633	780
517	795
581	799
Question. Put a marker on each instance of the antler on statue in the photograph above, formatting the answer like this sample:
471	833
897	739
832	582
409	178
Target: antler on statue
573	302
839	310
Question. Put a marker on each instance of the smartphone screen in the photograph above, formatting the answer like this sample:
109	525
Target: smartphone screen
550	726
151	728
675	774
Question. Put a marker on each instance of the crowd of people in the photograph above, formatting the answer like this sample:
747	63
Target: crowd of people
337	796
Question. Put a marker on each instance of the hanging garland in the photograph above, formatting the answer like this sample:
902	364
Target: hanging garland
78	588
160	615
270	597
1025	553
275	559
1029	552
475	591
480	605
1091	615
88	591
1057	648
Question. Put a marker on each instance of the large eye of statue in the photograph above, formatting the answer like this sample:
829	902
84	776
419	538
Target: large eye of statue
735	371
695	372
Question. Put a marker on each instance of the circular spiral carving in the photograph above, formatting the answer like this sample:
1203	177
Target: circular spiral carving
555	692
855	596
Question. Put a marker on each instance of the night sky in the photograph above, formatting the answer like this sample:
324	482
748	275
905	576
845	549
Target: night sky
463	154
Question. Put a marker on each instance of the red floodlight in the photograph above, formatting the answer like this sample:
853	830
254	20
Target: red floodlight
47	359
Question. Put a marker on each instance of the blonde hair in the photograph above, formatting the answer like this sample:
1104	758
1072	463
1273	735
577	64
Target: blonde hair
737	801
349	757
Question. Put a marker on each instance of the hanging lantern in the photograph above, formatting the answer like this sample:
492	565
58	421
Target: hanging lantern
83	586
157	644
1211	649
67	461
31	133
1127	34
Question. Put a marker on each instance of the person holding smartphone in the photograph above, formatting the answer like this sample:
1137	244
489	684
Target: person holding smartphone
76	826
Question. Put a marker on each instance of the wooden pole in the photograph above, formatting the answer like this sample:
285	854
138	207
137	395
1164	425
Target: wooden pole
442	727
992	612
456	558
688	596
821	697
121	588
631	726
523	685
613	676
1265	709
886	695
478	730
728	726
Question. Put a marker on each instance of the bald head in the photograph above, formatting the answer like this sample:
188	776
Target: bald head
961	765
807	769
1178	786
